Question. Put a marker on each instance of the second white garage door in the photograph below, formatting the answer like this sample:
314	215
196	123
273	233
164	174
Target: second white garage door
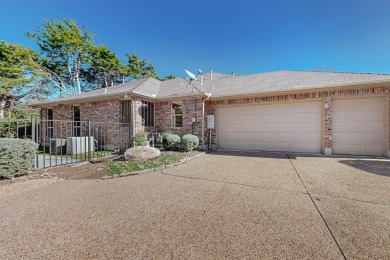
357	126
283	127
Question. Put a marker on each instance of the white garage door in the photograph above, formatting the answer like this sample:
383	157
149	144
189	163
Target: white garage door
357	126
284	127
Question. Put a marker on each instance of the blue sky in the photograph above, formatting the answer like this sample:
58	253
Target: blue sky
228	36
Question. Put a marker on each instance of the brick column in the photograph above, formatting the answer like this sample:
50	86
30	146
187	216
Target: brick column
388	152
328	126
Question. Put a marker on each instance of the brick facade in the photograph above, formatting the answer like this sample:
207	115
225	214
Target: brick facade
192	117
325	96
109	111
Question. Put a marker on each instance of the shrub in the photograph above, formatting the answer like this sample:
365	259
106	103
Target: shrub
16	156
140	139
171	141
190	142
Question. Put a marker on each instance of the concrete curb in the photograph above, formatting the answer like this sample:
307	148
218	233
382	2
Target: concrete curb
160	168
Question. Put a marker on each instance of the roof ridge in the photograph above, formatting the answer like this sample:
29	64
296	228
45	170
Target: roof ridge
339	72
143	82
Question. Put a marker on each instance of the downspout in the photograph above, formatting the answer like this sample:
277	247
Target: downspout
133	118
203	119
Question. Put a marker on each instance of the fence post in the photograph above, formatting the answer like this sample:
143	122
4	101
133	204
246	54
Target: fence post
33	139
89	140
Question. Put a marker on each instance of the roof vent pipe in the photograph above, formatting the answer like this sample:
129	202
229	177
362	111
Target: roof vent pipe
211	73
105	91
233	74
201	79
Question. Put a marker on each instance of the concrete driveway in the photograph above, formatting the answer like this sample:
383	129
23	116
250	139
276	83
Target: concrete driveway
221	205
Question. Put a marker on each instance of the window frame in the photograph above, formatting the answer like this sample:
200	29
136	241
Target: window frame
126	111
175	116
49	125
147	113
76	120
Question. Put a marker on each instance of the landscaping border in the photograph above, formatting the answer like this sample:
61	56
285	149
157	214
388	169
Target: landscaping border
160	168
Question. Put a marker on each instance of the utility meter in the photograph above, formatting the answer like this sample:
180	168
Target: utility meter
210	122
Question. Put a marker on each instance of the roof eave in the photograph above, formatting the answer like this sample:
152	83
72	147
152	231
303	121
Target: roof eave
327	87
191	95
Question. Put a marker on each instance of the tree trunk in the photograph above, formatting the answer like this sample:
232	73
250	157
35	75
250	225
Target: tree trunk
78	83
2	107
105	81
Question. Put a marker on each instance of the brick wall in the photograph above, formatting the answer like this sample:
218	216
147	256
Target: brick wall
192	108
326	96
109	111
104	117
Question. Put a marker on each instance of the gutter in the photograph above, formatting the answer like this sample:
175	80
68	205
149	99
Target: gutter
112	95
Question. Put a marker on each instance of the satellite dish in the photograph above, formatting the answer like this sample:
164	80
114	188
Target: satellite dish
190	74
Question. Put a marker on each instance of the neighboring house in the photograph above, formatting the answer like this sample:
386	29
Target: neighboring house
293	111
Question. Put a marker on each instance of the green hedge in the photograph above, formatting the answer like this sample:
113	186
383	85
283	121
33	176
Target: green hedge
140	139
16	156
190	142
171	141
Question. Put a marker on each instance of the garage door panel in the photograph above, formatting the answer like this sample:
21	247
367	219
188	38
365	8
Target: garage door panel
348	137
373	116
373	149
348	116
357	126
348	126
373	138
373	127
287	127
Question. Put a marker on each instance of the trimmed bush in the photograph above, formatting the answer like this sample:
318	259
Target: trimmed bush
190	142
16	156
171	141
140	139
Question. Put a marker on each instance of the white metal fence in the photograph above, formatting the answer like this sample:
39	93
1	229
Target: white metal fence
65	142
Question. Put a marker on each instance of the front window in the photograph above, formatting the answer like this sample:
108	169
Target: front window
126	111
76	121
147	113
50	123
177	115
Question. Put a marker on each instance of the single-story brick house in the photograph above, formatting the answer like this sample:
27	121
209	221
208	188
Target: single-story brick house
294	111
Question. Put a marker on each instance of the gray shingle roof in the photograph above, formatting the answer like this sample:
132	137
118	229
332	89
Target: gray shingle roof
285	81
228	85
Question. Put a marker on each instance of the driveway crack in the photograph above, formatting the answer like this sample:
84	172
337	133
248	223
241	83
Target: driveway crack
231	183
315	205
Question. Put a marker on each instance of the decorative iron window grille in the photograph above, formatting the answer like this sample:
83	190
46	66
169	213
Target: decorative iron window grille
147	113
126	111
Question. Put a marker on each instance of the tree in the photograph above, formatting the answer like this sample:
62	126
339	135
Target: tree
64	48
105	68
137	68
19	74
170	76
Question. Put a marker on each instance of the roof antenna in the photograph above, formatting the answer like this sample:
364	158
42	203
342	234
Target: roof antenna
211	73
192	78
191	75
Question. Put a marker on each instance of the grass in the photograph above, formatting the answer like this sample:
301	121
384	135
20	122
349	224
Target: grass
115	168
